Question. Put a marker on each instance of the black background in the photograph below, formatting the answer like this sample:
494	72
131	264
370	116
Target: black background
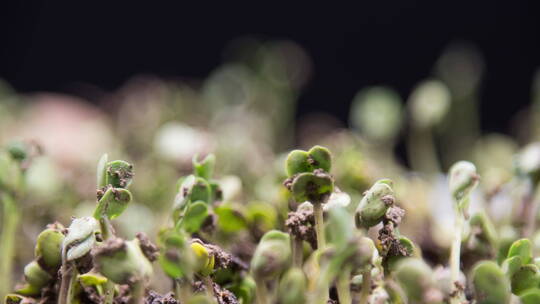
56	45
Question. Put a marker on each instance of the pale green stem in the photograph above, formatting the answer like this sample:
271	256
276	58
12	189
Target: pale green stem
137	293
343	285
422	152
321	244
455	255
106	232
319	225
7	242
262	292
298	251
366	286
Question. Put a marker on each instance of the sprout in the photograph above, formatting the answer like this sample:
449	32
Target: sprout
123	262
429	103
270	259
415	277
80	239
375	204
489	283
317	157
204	261
48	249
462	180
376	112
292	287
309	181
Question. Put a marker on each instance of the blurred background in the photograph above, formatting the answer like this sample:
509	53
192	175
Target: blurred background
92	49
398	89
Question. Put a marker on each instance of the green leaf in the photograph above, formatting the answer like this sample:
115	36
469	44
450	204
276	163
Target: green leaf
80	238
374	204
119	174
175	259
490	284
292	287
204	261
28	290
299	161
194	217
14	299
315	188
511	265
92	279
411	249
272	256
81	249
275	235
230	219
320	158
36	276
49	248
216	193
192	189
204	168
201	191
523	249
526	277
101	172
339	227
414	276
531	296
112	203
262	215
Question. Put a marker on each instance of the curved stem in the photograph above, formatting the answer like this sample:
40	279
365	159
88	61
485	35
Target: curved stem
319	225
262	292
343	285
10	222
366	287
